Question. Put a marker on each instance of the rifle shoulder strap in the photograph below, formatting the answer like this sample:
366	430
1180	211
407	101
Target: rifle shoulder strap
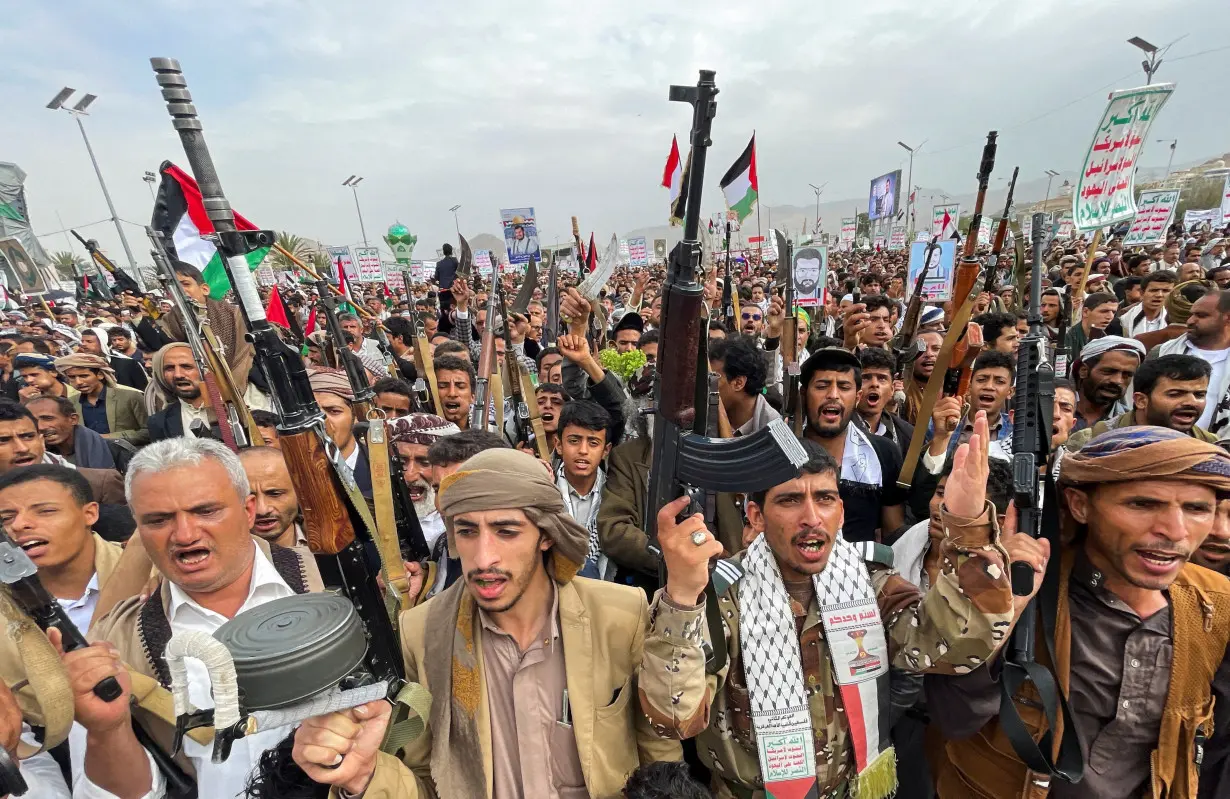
386	524
46	677
422	348
1042	757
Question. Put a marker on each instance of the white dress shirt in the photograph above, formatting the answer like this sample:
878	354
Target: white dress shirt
224	780
81	610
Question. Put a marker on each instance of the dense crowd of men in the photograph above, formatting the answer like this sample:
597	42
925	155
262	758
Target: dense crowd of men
564	657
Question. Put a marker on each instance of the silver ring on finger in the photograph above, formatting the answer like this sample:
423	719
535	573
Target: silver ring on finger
699	537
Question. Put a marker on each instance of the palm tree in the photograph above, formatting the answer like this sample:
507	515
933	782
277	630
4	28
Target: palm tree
296	246
67	264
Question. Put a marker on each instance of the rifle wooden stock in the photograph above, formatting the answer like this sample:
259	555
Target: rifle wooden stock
425	364
326	519
969	268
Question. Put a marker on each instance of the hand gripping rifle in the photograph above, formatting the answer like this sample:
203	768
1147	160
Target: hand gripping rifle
28	595
691	462
335	515
525	416
486	365
953	350
1031	441
235	421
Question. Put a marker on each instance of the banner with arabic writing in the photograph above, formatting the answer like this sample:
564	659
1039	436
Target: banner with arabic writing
1156	208
848	229
944	220
1104	191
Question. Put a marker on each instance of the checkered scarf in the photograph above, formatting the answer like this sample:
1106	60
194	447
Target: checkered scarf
773	662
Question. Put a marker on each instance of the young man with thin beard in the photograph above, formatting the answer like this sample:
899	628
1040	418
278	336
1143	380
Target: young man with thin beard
1208	338
455	380
105	406
784	714
874	505
276	515
581	447
874	396
535	671
1140	635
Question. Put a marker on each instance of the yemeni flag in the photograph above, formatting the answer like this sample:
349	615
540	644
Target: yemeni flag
674	177
179	215
739	183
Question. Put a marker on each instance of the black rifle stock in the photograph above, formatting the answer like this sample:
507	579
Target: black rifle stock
728	292
356	373
1001	234
1031	440
691	462
335	525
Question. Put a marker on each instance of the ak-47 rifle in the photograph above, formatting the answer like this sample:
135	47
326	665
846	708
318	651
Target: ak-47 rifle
691	463
525	410
486	365
1001	234
953	350
235	421
123	280
356	373
1031	442
335	515
789	341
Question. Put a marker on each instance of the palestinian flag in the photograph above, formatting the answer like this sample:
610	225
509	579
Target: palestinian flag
739	183
179	215
674	177
343	286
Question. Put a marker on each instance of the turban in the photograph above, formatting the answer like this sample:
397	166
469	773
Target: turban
930	315
34	359
103	338
506	478
1142	452
1178	307
1100	346
86	360
331	381
159	381
420	428
67	332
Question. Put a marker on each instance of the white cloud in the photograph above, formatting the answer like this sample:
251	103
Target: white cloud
562	105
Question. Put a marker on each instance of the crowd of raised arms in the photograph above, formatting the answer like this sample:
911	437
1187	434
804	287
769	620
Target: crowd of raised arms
643	532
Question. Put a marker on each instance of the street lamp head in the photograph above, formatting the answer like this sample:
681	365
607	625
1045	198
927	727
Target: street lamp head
84	103
1140	43
57	102
346	182
455	207
356	182
906	146
1052	173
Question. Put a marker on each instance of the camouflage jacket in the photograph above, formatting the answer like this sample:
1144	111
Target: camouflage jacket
952	629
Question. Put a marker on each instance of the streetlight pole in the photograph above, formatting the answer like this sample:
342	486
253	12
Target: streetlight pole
77	112
456	225
1050	175
352	183
149	178
910	180
1169	163
817	190
1150	64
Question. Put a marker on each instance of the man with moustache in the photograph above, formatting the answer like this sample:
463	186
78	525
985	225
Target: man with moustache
276	514
413	436
333	394
1140	635
533	672
1208	338
550	398
1170	391
874	505
39	377
1214	553
874	396
22	445
1103	371
80	446
780	716
920	371
194	512
189	412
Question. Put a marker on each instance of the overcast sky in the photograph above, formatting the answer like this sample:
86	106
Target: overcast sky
562	105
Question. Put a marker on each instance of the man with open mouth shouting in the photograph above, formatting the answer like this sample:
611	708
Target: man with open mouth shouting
1140	634
533	672
799	708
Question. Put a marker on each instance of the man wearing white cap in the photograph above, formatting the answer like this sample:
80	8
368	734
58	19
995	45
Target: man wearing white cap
1103	371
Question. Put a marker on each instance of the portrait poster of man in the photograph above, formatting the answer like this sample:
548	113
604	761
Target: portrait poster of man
938	285
811	267
520	235
659	249
882	202
20	272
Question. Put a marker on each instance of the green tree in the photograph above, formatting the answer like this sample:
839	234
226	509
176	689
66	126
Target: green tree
295	245
67	264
